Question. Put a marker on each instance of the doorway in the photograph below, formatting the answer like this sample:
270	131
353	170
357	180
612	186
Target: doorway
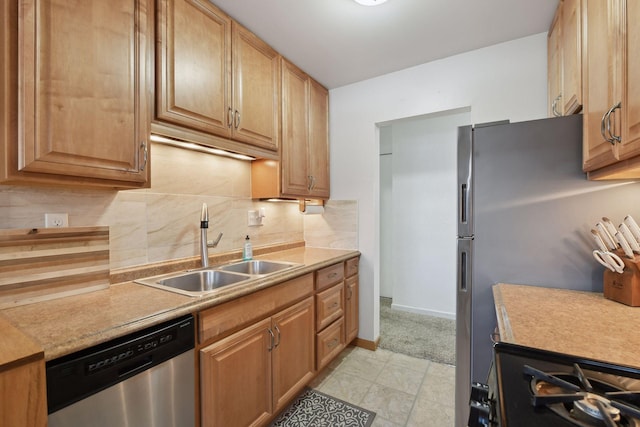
418	178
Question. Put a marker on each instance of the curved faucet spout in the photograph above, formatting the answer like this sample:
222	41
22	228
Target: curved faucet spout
204	243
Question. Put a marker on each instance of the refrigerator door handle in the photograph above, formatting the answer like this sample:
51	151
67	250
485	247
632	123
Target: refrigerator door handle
465	183
463	331
464	265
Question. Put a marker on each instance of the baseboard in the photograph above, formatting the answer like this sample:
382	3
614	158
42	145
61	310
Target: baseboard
366	344
417	310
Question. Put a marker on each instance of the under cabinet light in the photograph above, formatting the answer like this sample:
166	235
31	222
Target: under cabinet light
197	147
370	2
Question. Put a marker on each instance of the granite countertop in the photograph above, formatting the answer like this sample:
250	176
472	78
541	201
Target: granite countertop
583	324
65	325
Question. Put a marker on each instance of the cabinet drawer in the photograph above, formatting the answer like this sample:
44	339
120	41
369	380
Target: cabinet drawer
329	343
329	306
351	267
221	320
329	276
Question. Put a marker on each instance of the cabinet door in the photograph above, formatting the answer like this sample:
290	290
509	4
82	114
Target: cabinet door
571	57
554	66
193	88
630	145
256	90
295	131
599	73
293	356
83	88
318	162
351	314
236	378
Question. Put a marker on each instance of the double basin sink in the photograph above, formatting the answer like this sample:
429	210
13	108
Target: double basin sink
200	282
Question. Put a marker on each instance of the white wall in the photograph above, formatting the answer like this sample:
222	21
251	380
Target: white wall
386	212
502	81
424	227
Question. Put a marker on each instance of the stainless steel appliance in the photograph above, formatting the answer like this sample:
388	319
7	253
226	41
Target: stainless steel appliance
531	388
143	379
525	214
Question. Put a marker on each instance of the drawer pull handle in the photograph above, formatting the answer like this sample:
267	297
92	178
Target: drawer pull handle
334	305
271	340
332	343
332	275
279	336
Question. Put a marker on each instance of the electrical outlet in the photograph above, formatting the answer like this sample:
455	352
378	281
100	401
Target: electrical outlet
54	220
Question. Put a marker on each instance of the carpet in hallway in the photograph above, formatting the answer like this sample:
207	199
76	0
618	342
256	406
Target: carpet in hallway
426	337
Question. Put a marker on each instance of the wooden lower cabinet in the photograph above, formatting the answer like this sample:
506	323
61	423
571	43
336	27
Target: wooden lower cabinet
330	342
294	355
351	312
248	376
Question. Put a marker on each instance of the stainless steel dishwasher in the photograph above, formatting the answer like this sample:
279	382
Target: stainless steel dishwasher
142	379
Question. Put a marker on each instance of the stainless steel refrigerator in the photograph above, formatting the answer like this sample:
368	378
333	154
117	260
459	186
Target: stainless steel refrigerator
525	210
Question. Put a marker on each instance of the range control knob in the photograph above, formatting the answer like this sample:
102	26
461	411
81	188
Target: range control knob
479	414
479	392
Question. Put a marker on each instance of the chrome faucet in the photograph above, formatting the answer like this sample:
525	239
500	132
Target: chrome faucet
204	243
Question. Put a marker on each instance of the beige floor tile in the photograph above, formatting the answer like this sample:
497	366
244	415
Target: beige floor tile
390	404
438	389
431	414
442	370
419	365
362	366
346	387
378	421
400	378
379	354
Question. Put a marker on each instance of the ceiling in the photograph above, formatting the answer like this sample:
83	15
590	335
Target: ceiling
339	42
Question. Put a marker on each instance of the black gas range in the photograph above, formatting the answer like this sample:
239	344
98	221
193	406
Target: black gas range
531	388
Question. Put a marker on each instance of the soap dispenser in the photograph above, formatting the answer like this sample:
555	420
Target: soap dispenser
247	251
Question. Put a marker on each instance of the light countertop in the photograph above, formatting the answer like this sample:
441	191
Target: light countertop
583	324
65	325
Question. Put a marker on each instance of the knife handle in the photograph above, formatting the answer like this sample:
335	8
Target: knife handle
633	227
599	241
625	245
606	237
611	229
633	243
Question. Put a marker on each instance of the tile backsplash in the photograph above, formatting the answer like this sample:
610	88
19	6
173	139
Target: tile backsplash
162	223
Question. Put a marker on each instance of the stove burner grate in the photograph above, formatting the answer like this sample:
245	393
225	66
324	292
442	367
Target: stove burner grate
582	401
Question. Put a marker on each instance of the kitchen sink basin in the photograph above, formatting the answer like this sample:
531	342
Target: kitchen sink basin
257	267
200	282
194	283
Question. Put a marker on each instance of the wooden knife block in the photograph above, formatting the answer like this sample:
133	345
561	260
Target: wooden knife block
625	287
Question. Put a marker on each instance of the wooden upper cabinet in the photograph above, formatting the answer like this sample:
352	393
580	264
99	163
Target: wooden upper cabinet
318	141
630	144
193	88
564	59
78	76
256	90
295	130
612	108
304	168
215	76
571	39
554	67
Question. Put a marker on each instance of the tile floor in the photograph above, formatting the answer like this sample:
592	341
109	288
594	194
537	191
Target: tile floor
401	390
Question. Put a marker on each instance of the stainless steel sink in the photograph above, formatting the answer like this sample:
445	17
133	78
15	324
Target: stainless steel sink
203	281
194	283
257	267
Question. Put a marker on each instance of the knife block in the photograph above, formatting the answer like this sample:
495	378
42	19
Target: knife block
625	287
